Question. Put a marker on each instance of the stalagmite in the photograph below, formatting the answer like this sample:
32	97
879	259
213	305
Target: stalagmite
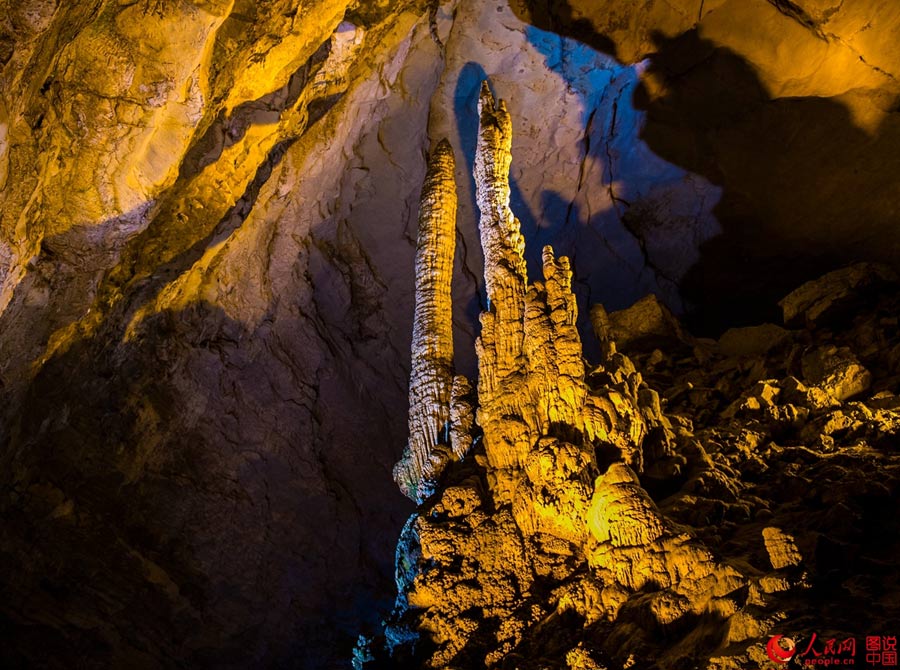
549	517
531	383
500	347
501	238
431	378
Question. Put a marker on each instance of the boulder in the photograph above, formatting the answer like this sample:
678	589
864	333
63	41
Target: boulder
646	325
830	296
835	371
752	340
783	552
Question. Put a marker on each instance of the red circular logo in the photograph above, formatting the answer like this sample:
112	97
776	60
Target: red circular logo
778	653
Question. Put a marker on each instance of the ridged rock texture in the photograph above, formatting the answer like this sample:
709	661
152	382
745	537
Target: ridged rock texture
584	527
208	220
431	379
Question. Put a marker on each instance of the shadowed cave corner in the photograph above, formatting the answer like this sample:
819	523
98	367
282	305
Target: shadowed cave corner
805	189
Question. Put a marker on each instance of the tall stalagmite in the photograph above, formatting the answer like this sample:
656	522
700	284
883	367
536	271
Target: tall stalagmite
431	378
544	548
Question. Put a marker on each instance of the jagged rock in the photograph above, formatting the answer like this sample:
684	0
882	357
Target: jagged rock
531	382
462	416
206	223
760	398
646	325
579	659
782	550
832	295
813	398
622	513
836	371
612	556
483	553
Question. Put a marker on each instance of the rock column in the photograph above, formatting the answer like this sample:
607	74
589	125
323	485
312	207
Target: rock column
431	378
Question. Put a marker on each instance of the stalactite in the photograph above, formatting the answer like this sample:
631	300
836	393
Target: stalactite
431	378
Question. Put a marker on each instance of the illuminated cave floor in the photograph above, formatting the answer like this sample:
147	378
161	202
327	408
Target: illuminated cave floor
787	470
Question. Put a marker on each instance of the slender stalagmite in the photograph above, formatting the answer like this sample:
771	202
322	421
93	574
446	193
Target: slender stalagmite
501	240
551	494
431	378
500	346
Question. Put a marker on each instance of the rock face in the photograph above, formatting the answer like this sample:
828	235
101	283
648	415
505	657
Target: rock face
824	299
207	233
585	526
770	116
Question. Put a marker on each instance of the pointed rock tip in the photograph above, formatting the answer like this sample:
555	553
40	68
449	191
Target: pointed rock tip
443	150
486	98
552	262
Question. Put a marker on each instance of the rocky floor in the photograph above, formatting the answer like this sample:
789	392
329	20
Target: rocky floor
767	505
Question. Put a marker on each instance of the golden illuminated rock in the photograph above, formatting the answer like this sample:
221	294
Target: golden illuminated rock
624	523
531	508
207	233
531	383
500	346
431	380
634	546
782	548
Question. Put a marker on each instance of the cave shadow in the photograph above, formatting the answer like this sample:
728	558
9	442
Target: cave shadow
797	196
111	489
79	534
804	189
591	223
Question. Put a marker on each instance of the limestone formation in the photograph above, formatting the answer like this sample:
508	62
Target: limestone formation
531	375
431	380
207	238
647	323
833	294
782	549
598	522
836	371
531	511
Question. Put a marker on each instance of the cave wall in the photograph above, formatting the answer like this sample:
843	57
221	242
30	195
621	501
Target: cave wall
788	108
207	234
